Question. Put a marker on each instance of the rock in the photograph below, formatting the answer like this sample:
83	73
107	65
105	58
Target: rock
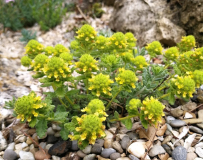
132	157
56	158
200	114
169	119
51	139
43	144
123	158
3	143
125	142
196	129
167	149
107	152
177	112
116	145
50	131
32	149
189	106
56	127
11	146
188	115
100	142
179	153
167	139
192	121
101	158
71	156
60	148
29	141
115	155
161	130
155	150
9	154
81	154
48	146
90	157
11	136
132	135
40	155
74	146
87	149
137	149
191	156
108	143
156	23
200	125
26	155
96	149
20	139
109	135
199	152
177	123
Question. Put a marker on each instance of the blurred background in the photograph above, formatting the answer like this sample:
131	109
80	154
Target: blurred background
54	22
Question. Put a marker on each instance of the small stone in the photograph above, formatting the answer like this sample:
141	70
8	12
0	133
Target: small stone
100	142
81	154
188	115
31	131
169	119
199	152
125	142
161	130
179	153
200	114
200	125
60	148
9	154
192	121
108	143
3	143
115	155
29	141
167	149
18	146
43	144
101	158
107	152
11	136
191	156
189	106
123	158
56	158
56	127
137	149
32	149
132	157
74	146
87	149
26	155
177	112
109	135
96	149
155	150
177	123
48	146
196	129
40	155
51	139
20	139
57	134
132	135
71	156
167	139
90	157
50	131
11	146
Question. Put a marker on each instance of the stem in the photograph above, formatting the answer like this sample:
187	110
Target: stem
69	100
163	96
49	119
123	118
54	87
108	105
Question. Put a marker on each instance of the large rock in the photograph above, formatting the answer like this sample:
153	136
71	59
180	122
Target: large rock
166	21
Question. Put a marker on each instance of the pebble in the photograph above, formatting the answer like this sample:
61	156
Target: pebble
109	135
56	127
177	123
200	125
189	106
100	142
116	145
60	148
48	146
132	157
191	156
169	119
50	131
81	154
115	155
177	112
200	114
132	135
11	146
74	146
101	158
179	153
96	149
26	155
51	139
199	152
56	158
43	144
196	129
87	149
155	150
107	152
3	143
90	157
29	141
167	139
20	139
123	158
137	149
167	149
108	143
39	155
125	142
9	154
161	130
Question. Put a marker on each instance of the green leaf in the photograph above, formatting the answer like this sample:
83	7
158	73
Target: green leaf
69	127
60	92
38	75
116	115
64	133
73	92
144	124
60	116
41	127
128	123
171	98
61	108
33	122
46	84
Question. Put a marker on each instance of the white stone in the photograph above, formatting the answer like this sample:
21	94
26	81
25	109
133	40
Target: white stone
24	145
50	131
188	115
3	143
55	158
26	155
199	152
137	149
56	127
11	146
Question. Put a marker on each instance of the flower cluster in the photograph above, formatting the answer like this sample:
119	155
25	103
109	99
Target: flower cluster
90	128
126	56
187	43
86	64
49	50
110	60
198	78
197	58
33	48
67	57
26	61
86	35
154	49
28	107
126	78
183	86
140	62
57	70
133	106
184	61
172	53
59	48
131	40
95	106
100	84
39	62
101	43
118	42
74	45
151	111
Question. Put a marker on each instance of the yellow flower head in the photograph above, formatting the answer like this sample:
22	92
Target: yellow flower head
154	49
